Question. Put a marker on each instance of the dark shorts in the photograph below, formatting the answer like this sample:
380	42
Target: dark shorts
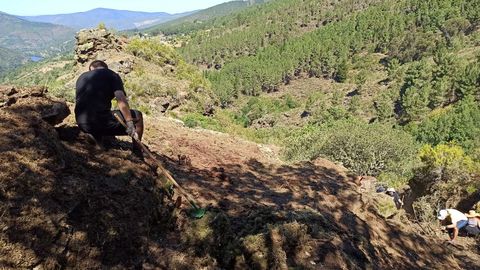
472	230
110	126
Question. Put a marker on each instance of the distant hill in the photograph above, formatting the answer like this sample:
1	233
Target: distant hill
196	20
10	59
21	39
112	18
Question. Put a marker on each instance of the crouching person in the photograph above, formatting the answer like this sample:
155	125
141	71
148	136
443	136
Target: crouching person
454	220
473	227
95	90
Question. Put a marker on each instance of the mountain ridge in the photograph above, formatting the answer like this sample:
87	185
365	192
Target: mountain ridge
115	18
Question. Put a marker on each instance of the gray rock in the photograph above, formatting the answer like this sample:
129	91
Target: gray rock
56	113
83	48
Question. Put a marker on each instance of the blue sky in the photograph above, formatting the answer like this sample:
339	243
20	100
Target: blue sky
47	7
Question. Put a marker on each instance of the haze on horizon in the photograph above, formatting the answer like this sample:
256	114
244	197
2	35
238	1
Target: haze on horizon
53	7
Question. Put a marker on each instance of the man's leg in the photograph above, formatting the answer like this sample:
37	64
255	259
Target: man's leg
114	128
92	135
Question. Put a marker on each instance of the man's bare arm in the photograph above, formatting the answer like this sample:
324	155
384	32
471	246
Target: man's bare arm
123	105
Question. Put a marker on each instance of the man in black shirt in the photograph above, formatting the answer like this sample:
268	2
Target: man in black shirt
95	90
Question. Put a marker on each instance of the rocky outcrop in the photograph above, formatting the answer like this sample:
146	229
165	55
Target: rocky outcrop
100	44
91	41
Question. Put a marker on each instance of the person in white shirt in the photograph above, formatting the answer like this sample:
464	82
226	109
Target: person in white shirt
455	219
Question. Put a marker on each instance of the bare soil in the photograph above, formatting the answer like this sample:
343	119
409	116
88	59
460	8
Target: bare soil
67	204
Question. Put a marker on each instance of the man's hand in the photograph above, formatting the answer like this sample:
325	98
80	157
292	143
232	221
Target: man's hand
131	129
443	228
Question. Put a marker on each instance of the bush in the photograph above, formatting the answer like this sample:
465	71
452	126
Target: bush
197	120
446	177
154	51
416	91
366	149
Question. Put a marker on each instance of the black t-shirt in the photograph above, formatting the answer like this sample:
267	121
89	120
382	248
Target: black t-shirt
94	93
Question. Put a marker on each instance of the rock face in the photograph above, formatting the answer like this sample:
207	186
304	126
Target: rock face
90	41
100	44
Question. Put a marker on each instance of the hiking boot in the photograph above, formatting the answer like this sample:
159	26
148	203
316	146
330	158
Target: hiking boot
95	140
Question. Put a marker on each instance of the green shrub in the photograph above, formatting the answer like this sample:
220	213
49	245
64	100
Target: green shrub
154	51
197	120
446	177
101	26
384	106
194	75
366	149
416	91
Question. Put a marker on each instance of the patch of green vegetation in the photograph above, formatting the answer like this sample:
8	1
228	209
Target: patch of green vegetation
385	206
153	51
366	149
192	74
445	175
164	74
257	107
459	124
198	120
225	121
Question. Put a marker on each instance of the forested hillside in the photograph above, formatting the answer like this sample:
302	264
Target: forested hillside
244	33
10	59
21	39
202	19
388	88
